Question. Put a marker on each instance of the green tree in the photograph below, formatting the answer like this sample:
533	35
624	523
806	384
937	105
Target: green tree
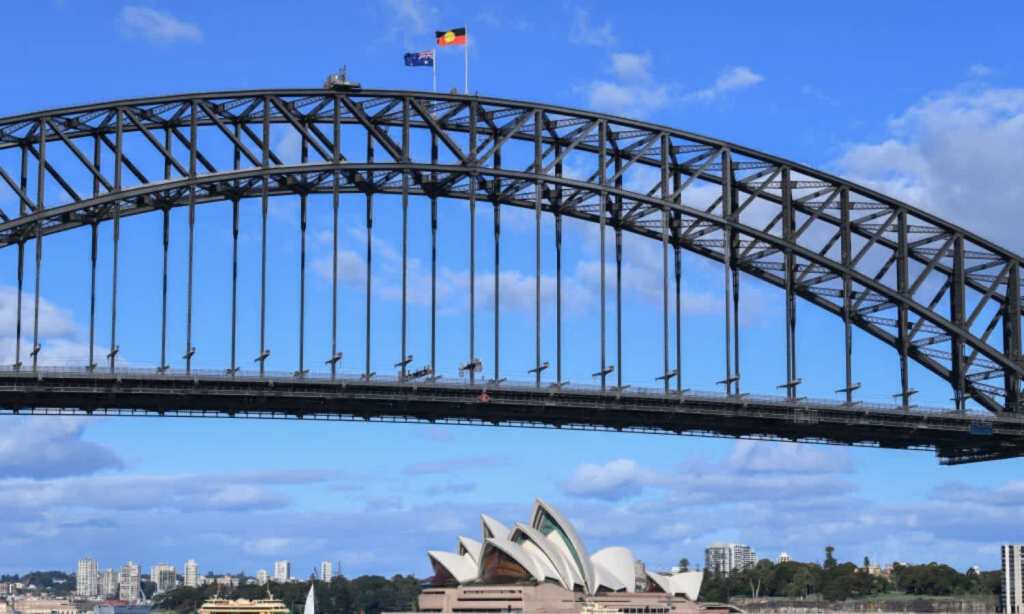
830	561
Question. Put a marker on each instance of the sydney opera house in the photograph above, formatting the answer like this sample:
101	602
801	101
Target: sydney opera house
544	567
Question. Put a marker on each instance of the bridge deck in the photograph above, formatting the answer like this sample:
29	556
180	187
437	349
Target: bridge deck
956	437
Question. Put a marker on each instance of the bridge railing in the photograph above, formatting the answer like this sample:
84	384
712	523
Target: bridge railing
345	379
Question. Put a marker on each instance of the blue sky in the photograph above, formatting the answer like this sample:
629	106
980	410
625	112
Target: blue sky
924	100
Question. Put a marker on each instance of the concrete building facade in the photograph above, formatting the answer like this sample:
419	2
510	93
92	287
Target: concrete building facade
108	584
191	573
128	583
727	558
326	571
87	580
164	576
282	571
1011	598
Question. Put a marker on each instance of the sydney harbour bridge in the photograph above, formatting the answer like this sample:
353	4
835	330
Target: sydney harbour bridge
943	298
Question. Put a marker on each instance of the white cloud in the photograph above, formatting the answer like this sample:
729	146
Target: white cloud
731	79
611	481
979	70
517	288
583	32
633	92
636	92
180	492
956	154
279	546
453	465
756	457
157	27
47	447
633	99
58	333
53	321
632	66
410	14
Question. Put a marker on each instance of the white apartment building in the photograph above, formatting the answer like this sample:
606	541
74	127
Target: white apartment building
191	573
164	576
261	577
282	571
1011	598
87	580
128	583
108	583
326	571
727	558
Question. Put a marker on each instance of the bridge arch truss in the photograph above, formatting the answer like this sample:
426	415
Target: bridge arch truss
941	296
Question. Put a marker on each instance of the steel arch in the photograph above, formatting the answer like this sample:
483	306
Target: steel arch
847	249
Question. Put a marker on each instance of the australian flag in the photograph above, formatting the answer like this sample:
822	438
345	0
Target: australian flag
419	58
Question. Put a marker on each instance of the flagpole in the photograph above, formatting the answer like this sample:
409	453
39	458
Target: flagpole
465	49
434	65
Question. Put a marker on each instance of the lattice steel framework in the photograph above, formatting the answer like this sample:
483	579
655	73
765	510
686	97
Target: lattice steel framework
941	296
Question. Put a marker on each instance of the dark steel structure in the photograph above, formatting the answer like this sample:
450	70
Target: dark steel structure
942	297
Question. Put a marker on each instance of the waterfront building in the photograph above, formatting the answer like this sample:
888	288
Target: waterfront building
191	573
120	608
108	584
727	558
543	567
128	583
37	605
326	571
282	571
164	576
261	577
243	606
1011	598
87	580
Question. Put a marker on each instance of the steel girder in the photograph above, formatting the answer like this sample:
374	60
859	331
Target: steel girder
943	297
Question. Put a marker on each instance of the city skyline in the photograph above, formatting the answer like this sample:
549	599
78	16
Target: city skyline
247	494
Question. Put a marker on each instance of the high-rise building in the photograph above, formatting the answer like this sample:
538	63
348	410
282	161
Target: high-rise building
87	580
727	558
128	583
261	577
191	573
164	576
108	584
282	571
1011	599
326	572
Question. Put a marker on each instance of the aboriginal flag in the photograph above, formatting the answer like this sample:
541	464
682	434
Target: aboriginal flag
455	36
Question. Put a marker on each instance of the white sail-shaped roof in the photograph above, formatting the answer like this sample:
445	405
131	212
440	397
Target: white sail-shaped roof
548	549
619	562
543	551
550	522
513	551
568	575
605	580
471	547
492	528
462	568
686	583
